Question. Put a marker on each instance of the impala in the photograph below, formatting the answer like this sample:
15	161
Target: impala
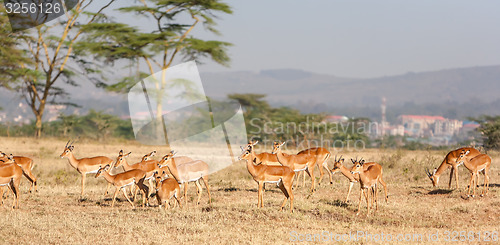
450	161
353	178
10	175
84	166
185	172
480	163
26	165
121	180
303	162
368	179
166	189
281	175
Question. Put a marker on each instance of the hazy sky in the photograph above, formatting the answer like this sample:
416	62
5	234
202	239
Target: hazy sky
361	38
353	38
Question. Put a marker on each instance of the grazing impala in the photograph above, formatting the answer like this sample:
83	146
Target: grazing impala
166	189
26	164
303	162
480	163
10	175
368	179
353	178
84	166
185	172
122	180
450	161
281	175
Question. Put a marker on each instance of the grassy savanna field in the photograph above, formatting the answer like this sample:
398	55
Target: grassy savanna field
56	214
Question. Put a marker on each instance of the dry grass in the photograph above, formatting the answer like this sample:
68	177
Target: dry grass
56	214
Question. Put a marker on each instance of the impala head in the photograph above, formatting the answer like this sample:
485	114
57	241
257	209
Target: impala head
277	146
67	149
121	158
159	178
337	164
164	160
461	157
434	178
2	155
102	170
251	144
358	165
245	154
10	159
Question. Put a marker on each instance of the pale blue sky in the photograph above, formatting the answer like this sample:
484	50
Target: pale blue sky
358	38
361	38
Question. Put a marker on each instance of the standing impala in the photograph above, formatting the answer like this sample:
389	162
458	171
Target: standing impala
121	180
281	175
10	175
368	179
185	172
84	166
353	178
26	165
450	161
166	189
480	163
303	162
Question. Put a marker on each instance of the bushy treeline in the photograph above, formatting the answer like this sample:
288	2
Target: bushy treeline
94	125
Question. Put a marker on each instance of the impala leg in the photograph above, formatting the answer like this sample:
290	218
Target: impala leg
375	191
367	202
475	184
382	182
205	181
288	188
126	196
1	195
177	194
145	191
14	187
470	183
298	179
330	176
486	181
451	177
303	180
198	185
313	184
31	178
321	173
114	196
456	175
185	193
107	189
360	199
259	191
83	184
282	188
349	191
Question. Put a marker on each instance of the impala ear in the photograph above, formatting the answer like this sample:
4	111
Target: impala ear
71	148
241	147
255	142
128	154
362	162
352	160
282	143
341	160
164	172
467	152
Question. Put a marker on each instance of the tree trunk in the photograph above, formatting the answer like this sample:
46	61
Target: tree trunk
38	126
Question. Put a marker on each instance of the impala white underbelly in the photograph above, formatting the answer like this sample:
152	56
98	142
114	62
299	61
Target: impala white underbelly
298	170
93	172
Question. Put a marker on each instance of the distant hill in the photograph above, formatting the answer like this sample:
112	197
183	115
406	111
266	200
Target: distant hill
456	92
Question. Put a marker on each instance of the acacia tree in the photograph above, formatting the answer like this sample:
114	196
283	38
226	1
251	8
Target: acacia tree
170	37
49	48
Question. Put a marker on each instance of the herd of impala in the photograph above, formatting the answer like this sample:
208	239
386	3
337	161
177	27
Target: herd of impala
164	176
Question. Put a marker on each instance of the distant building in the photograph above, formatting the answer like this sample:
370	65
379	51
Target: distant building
336	119
429	126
